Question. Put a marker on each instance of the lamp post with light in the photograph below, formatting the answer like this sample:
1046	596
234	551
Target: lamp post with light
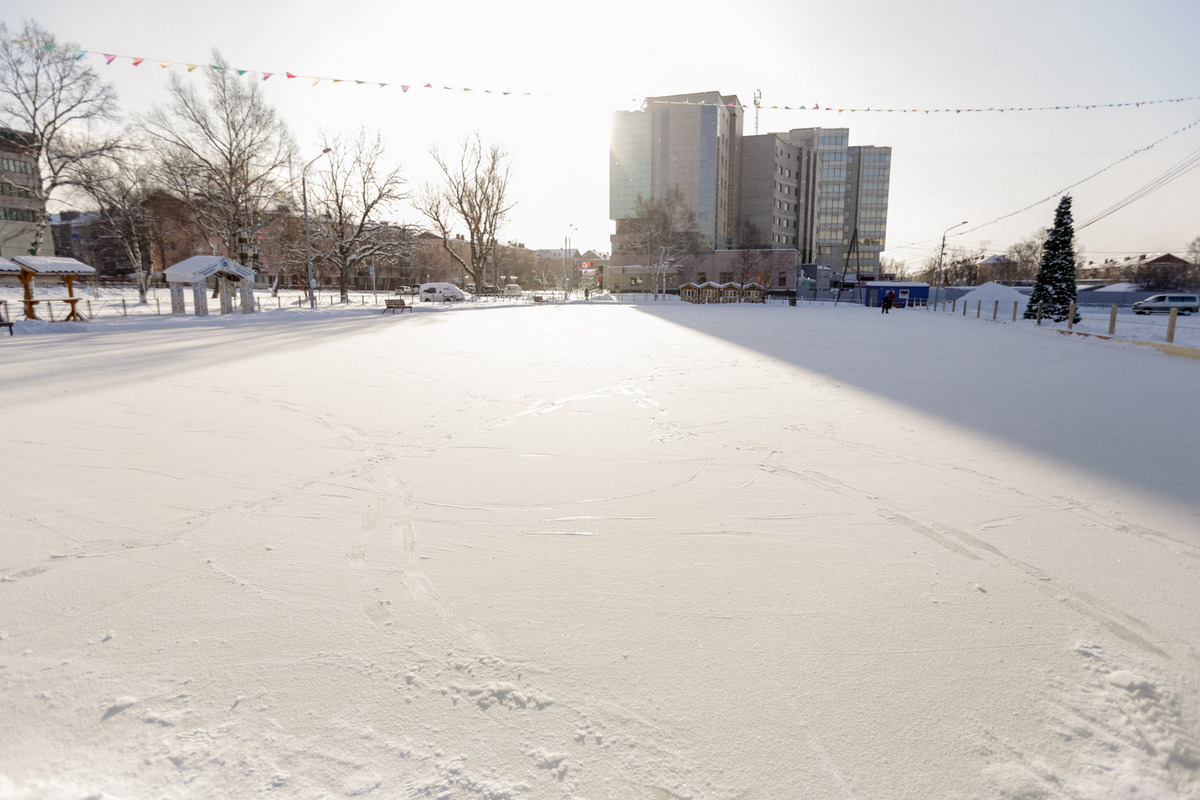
941	255
566	256
312	297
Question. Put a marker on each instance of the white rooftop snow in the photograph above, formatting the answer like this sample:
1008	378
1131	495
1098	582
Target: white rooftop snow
54	265
697	552
197	268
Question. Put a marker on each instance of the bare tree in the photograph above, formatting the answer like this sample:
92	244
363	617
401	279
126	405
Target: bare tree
475	194
1026	255
1193	256
53	100
119	184
663	232
350	197
225	155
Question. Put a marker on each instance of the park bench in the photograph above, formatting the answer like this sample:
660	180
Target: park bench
4	320
394	304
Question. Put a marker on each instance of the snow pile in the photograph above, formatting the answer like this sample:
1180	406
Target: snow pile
990	292
591	551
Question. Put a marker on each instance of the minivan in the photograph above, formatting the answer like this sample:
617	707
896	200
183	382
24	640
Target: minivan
1186	303
513	290
440	292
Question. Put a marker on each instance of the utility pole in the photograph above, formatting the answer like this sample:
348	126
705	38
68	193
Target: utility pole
757	103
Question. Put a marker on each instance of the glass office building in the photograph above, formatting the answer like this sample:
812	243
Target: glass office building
807	189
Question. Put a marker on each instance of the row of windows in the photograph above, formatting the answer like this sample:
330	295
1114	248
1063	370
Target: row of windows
779	238
833	141
18	214
833	173
12	190
831	203
782	222
787	173
835	156
784	205
875	172
873	187
871	241
872	227
878	157
16	165
831	219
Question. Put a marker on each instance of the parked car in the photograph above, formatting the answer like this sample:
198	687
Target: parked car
513	290
489	289
440	292
1186	303
407	289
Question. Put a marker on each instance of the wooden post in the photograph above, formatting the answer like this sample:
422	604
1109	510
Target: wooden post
124	311
157	306
1015	304
978	308
1170	325
1112	321
50	308
1071	317
1039	314
964	308
996	311
953	305
89	302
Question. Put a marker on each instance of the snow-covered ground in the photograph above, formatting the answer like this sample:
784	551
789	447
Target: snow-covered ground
584	551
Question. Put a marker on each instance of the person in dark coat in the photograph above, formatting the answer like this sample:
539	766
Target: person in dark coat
888	299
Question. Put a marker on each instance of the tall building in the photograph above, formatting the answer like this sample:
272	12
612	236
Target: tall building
20	209
806	190
689	141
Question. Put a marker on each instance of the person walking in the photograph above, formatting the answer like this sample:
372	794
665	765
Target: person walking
888	299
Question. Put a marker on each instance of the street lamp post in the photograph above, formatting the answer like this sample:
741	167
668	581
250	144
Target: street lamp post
566	256
941	254
312	297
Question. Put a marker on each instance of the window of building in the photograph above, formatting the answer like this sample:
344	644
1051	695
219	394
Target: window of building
16	165
701	277
726	277
18	214
782	278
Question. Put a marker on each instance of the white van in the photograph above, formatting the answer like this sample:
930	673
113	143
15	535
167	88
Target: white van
513	290
440	293
1186	303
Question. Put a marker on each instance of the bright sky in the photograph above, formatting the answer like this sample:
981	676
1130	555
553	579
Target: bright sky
582	64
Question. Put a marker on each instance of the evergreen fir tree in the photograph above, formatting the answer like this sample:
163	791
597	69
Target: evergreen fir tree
1054	288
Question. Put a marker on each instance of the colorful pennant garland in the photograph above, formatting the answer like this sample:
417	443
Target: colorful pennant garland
109	58
817	107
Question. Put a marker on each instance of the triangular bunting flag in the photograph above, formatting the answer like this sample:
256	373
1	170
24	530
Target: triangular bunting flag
164	64
108	59
192	67
216	66
290	75
138	61
428	86
80	54
241	72
404	88
315	82
360	83
267	75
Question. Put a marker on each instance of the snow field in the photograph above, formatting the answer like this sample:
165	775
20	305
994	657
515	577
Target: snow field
576	551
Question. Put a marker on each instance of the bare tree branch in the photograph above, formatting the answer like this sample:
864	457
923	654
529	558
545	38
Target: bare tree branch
475	194
54	99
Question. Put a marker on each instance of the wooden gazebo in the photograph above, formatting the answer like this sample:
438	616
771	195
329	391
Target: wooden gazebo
68	269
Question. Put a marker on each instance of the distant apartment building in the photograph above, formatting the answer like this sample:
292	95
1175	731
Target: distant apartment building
20	208
806	190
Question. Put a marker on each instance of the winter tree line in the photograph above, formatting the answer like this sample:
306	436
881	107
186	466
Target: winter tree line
215	166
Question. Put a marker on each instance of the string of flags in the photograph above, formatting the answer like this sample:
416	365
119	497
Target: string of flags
136	61
819	107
